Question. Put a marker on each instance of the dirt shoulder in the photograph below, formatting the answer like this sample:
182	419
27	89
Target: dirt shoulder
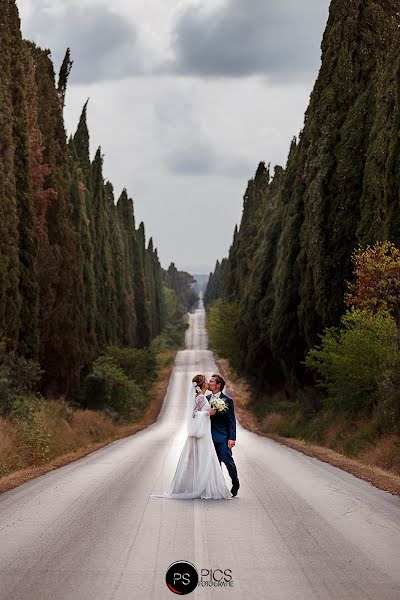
16	478
378	477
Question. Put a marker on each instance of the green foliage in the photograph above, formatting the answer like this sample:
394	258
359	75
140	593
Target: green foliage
172	337
223	324
33	439
182	284
217	282
120	381
173	332
140	365
122	395
18	376
24	408
28	413
365	436
388	393
350	361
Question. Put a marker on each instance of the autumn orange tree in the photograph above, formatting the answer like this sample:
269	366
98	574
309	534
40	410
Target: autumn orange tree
377	280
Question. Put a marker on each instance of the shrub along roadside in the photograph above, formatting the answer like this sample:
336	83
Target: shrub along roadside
43	434
120	383
351	360
355	407
116	399
352	400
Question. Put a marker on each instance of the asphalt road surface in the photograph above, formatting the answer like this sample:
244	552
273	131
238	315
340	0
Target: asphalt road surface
298	529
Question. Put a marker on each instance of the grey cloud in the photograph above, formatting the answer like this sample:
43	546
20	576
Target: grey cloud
195	158
277	38
187	147
104	46
202	159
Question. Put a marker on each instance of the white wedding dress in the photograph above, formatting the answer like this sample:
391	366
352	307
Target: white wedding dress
198	473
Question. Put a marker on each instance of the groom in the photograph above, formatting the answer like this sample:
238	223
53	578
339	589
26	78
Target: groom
223	430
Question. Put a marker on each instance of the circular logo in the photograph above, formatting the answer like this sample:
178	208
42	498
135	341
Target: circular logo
182	577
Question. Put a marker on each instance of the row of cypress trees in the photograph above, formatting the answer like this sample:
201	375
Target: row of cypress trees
76	273
290	259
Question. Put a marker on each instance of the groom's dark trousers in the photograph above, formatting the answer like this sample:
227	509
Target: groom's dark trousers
225	455
223	428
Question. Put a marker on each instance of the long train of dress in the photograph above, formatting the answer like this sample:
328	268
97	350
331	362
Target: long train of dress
198	473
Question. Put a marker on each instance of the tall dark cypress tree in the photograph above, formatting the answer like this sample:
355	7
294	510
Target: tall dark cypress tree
154	289
10	298
81	145
139	287
63	76
84	258
127	232
111	317
158	299
61	347
28	342
101	248
124	315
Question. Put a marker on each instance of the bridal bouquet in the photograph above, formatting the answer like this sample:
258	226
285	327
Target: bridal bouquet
219	404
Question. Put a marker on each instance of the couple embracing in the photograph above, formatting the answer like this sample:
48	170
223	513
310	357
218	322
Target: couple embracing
211	427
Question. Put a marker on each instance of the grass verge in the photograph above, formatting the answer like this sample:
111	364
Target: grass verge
73	434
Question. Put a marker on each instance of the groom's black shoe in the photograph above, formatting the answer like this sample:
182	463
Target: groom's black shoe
235	488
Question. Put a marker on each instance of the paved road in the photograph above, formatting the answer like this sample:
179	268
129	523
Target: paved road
299	528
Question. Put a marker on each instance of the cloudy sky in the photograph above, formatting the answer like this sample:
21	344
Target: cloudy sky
186	98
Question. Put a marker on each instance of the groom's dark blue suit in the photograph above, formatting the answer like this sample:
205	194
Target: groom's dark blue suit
223	428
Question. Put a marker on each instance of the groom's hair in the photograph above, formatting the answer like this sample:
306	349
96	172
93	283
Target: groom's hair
219	380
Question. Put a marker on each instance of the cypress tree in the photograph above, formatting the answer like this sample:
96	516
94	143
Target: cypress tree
61	348
127	234
111	316
139	286
63	76
84	258
106	326
81	145
154	289
28	342
123	313
10	298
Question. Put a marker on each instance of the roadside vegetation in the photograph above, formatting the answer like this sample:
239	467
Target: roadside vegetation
352	401
122	393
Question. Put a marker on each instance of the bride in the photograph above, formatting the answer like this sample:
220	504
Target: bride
198	473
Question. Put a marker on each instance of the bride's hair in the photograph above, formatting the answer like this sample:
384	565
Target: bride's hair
199	381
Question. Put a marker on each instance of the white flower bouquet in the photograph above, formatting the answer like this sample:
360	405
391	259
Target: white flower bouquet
219	404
